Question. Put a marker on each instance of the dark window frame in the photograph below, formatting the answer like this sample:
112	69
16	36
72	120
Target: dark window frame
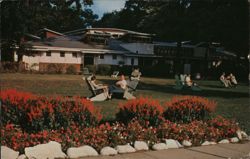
114	57
101	56
48	53
132	61
74	54
62	54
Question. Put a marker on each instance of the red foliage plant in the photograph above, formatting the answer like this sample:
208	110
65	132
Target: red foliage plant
29	120
186	109
146	110
35	113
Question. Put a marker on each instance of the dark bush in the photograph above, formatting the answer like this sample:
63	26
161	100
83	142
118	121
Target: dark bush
55	68
104	69
92	68
71	69
9	66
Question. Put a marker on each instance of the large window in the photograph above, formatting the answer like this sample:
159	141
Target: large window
62	54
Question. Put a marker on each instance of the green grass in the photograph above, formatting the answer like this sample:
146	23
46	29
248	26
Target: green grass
232	103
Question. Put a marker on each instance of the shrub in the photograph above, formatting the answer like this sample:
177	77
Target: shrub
186	109
227	128
7	66
198	131
137	132
146	110
71	69
92	68
28	120
55	68
104	69
35	113
117	134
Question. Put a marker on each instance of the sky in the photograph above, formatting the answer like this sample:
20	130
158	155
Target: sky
103	6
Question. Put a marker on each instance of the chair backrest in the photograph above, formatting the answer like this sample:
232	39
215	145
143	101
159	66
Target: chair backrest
91	87
132	84
115	74
86	71
178	81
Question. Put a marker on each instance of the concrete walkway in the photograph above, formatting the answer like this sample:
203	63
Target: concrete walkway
219	151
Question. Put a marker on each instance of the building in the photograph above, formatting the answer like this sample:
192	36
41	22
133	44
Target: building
79	48
112	46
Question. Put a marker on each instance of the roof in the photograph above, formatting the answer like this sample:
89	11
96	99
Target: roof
107	30
65	42
221	51
52	31
173	44
33	36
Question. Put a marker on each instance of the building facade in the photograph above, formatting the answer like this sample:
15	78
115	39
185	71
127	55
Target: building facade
118	47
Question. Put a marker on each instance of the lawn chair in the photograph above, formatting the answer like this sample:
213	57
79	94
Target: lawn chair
86	72
123	94
97	94
132	85
128	93
196	88
115	74
178	83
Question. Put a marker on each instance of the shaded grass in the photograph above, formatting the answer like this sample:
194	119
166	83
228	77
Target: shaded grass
232	103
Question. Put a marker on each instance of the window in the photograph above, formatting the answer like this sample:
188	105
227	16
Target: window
62	54
114	57
74	54
101	56
48	53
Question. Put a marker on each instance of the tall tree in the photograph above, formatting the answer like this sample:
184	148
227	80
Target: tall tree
28	16
224	21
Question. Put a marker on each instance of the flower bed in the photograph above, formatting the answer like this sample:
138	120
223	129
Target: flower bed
36	113
29	120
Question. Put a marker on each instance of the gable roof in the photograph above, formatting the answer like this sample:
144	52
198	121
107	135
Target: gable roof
49	30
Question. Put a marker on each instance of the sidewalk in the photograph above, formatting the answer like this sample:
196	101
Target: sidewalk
219	151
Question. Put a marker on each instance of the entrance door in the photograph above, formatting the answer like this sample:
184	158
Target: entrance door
88	60
187	68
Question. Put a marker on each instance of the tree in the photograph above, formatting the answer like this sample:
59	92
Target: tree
28	16
224	21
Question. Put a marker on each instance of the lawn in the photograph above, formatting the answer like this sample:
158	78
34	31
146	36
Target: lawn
232	103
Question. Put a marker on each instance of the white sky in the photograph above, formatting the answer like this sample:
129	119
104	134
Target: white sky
103	6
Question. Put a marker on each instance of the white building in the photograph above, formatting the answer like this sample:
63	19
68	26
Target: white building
67	50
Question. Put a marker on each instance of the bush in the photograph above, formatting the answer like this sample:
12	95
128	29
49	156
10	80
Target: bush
147	111
226	127
55	68
104	69
35	113
9	66
119	134
186	109
71	69
28	120
92	68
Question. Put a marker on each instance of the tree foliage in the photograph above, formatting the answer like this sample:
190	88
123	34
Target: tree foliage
224	21
28	16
